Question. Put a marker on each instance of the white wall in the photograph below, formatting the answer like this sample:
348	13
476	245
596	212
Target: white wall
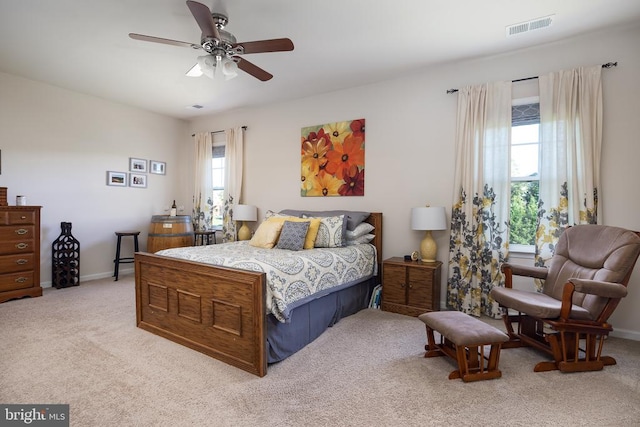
410	141
56	148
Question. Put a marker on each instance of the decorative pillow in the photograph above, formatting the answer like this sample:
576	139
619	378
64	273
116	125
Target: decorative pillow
266	235
271	214
330	232
351	218
293	235
360	240
313	227
360	230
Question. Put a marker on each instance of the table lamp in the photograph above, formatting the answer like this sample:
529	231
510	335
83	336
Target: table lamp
428	219
245	213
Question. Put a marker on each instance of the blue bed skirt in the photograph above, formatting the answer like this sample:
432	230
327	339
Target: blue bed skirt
309	321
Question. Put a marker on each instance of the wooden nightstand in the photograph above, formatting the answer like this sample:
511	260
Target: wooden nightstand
410	287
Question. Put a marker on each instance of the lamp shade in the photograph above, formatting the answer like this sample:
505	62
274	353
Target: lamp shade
428	218
245	213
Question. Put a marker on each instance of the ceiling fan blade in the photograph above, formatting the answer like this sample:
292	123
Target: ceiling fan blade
273	45
252	69
163	41
203	17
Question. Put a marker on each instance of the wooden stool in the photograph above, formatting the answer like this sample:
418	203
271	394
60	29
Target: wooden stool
204	236
463	338
125	260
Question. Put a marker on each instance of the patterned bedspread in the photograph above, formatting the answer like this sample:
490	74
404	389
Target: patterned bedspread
293	277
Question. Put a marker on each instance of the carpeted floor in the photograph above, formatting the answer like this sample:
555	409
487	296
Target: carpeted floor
80	346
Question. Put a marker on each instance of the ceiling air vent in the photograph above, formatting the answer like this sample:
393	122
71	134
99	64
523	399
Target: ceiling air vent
525	27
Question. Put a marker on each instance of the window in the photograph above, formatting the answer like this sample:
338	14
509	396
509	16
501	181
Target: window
217	173
525	177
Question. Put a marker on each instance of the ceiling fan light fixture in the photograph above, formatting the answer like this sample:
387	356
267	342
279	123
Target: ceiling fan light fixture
214	67
229	68
207	64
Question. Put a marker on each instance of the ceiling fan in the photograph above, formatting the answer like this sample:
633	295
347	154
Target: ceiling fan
223	51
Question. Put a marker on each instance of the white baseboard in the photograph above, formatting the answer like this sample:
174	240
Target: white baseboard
97	276
626	334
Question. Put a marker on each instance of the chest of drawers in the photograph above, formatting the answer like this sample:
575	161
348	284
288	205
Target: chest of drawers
19	252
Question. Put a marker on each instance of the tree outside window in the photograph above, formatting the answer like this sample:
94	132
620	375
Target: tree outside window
217	173
525	144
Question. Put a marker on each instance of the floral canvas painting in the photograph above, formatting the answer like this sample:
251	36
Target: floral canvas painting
333	159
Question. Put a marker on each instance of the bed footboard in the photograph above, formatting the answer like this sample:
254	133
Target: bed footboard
215	310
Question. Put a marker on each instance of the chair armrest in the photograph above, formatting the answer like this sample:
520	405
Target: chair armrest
524	270
601	289
591	287
521	270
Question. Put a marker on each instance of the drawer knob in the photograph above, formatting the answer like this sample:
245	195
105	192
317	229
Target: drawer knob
22	245
21	279
21	231
23	217
21	261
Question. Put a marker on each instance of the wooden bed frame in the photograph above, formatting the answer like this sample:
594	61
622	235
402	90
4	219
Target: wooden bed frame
218	311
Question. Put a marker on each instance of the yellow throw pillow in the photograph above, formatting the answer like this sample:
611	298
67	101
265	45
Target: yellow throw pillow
267	234
314	226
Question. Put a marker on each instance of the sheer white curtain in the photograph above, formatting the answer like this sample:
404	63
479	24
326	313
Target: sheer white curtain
234	155
203	191
479	235
571	141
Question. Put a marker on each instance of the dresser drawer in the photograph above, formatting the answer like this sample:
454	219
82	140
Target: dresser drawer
13	281
21	217
17	232
18	262
22	246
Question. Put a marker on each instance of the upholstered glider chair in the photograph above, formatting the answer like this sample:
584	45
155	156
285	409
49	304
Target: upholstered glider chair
584	282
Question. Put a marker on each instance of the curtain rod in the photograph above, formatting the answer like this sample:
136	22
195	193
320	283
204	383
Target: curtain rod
220	131
607	65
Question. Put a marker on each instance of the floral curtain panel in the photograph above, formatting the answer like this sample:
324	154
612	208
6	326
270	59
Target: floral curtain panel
571	141
479	236
234	155
203	193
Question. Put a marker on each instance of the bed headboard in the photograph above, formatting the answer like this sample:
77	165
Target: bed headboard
375	219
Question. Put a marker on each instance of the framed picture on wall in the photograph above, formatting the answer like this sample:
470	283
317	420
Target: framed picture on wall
137	165
157	167
117	179
137	180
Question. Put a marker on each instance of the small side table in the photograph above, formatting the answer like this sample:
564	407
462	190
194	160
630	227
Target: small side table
410	287
202	238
